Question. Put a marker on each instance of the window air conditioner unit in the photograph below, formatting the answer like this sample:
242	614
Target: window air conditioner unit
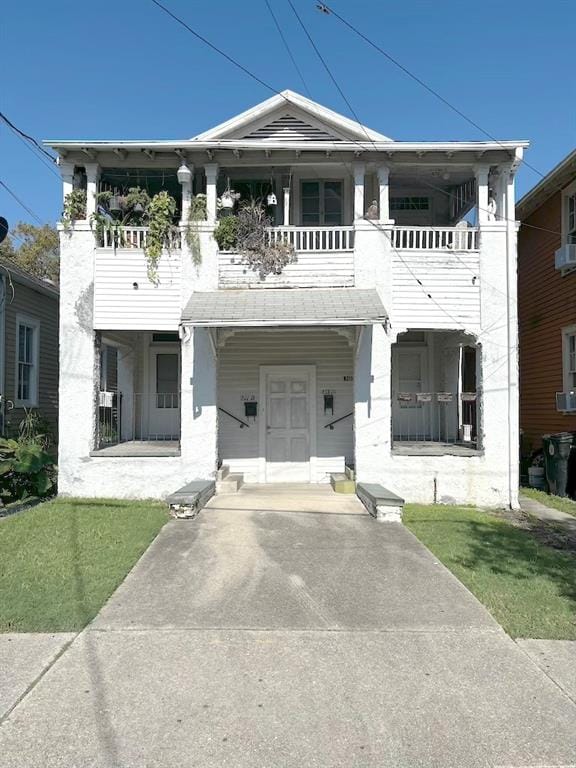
566	401
565	257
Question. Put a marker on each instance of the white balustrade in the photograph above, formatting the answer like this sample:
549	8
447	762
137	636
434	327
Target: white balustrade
435	238
318	239
133	237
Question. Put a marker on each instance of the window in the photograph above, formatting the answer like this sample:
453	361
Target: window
569	358
409	203
571	220
27	333
321	203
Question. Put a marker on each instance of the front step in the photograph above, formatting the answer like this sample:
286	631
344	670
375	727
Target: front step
186	502
341	482
382	504
229	483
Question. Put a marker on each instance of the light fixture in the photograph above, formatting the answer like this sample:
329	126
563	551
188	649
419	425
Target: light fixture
271	199
184	174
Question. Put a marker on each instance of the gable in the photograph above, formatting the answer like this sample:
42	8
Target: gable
288	127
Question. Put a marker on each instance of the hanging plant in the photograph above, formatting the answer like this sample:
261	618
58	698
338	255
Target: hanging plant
160	214
196	214
74	208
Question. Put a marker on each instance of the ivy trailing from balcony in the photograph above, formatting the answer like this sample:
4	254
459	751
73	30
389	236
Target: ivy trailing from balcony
196	214
74	208
160	214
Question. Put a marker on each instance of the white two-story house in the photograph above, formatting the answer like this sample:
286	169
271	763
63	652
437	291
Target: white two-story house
366	320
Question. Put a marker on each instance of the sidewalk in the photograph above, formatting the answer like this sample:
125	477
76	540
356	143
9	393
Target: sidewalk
546	514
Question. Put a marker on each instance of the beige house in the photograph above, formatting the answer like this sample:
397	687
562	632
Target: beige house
28	347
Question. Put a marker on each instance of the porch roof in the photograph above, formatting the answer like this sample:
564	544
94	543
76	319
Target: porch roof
311	306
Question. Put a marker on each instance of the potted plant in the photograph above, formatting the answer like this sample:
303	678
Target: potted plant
228	199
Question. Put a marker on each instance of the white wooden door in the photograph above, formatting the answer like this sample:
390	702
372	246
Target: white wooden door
164	397
288	426
410	418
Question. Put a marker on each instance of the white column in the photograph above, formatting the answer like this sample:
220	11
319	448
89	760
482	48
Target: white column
286	200
384	193
92	178
482	192
211	170
67	174
359	176
185	176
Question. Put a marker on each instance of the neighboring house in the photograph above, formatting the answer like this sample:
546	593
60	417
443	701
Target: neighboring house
389	345
28	348
547	304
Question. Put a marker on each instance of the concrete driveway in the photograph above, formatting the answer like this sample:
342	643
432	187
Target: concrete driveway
290	629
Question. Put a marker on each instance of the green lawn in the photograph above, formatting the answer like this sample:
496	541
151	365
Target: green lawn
530	589
549	500
61	560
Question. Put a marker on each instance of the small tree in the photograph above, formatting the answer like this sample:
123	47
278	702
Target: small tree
38	254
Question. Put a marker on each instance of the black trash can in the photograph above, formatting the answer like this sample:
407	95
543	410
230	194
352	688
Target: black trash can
557	450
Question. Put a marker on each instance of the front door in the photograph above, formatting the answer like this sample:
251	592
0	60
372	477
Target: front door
411	415
288	416
164	397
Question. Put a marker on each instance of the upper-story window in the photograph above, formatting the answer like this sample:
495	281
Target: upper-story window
569	358
322	203
571	219
409	203
27	355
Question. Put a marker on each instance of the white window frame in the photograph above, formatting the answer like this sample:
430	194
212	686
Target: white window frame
34	323
567	333
568	193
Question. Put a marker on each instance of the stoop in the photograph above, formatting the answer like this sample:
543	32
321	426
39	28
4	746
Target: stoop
382	504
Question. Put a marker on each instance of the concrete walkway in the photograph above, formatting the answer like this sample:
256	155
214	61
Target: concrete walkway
546	514
291	630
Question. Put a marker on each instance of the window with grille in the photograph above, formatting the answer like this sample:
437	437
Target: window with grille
27	362
321	203
571	220
569	356
409	203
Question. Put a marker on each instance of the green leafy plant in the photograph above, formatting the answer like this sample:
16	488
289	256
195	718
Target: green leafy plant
26	469
160	214
226	233
74	208
196	214
34	429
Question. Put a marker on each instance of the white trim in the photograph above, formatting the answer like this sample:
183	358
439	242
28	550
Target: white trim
288	370
567	332
567	193
34	323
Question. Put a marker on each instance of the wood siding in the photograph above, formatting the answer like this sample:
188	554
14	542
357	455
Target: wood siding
118	305
311	270
451	279
238	376
546	304
43	309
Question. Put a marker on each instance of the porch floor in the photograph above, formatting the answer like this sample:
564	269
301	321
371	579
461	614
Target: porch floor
429	448
135	448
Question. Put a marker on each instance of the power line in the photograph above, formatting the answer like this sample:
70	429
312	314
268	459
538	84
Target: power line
28	210
326	9
31	139
38	156
294	62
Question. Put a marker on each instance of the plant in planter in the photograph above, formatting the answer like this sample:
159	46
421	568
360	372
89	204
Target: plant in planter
74	208
228	199
253	242
226	233
196	214
160	214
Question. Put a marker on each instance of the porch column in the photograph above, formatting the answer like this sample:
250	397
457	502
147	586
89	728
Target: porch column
384	193
198	442
372	404
482	172
185	176
92	177
67	174
286	200
211	171
359	175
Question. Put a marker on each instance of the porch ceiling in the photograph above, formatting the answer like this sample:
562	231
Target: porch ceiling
336	306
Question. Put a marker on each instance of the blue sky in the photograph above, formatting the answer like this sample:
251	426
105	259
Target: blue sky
126	70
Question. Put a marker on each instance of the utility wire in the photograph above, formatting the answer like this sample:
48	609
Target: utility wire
28	210
31	139
36	154
328	10
290	54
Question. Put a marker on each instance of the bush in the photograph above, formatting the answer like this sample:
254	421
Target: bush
25	470
226	233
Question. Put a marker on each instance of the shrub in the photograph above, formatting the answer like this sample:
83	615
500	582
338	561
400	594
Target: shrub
226	233
25	470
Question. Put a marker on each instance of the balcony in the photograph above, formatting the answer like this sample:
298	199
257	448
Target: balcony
324	258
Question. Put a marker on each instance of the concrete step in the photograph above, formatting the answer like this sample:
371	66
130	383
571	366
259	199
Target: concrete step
382	504
341	483
349	472
230	484
223	472
187	501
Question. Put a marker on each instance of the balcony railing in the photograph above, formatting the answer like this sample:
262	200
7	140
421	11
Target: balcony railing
133	237
129	417
435	238
435	417
318	239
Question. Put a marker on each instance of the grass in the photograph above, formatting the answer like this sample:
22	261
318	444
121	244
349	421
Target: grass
549	500
528	587
61	560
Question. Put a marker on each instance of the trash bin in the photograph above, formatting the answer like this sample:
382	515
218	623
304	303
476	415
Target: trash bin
556	454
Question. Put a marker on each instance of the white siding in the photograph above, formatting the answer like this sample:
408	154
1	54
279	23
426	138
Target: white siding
452	279
120	306
239	364
312	270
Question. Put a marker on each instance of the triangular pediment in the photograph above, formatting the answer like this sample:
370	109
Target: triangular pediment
290	117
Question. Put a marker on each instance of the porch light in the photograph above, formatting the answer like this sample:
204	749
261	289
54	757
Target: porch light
271	199
184	174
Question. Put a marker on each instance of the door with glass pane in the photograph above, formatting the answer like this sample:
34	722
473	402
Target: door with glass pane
321	203
288	420
164	394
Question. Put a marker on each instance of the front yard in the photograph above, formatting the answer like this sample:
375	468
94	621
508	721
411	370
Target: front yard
60	561
529	588
562	503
